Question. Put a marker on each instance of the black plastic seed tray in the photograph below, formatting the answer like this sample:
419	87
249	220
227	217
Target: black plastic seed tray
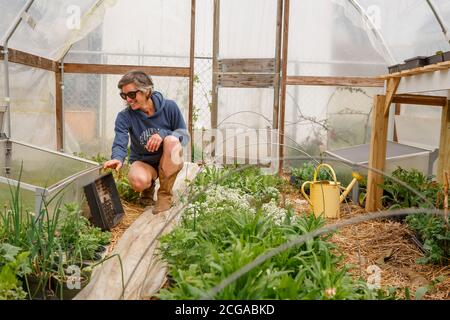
435	59
415	62
104	202
447	56
403	67
393	69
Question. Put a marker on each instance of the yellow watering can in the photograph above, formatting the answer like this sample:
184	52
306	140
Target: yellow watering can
325	196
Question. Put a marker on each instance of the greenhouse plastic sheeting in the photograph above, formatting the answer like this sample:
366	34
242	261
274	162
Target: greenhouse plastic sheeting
396	29
323	41
247	28
157	33
409	27
32	104
327	38
320	118
54	26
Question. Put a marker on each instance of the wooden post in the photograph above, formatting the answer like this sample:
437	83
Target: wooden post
377	155
191	81
58	110
444	150
391	90
215	66
276	86
215	69
397	113
283	85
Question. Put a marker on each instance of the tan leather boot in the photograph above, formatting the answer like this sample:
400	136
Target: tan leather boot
146	199
165	193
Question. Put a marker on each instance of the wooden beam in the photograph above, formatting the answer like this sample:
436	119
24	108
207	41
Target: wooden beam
191	81
246	65
58	111
419	99
122	69
426	69
28	59
391	89
284	58
276	84
236	80
335	81
444	142
377	154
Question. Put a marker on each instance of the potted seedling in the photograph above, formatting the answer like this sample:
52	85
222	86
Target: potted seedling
415	62
394	68
70	282
438	57
447	56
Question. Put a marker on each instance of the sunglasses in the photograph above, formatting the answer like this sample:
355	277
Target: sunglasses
131	94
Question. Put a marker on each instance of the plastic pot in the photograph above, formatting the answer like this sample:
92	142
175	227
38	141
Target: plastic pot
393	69
447	56
435	59
416	62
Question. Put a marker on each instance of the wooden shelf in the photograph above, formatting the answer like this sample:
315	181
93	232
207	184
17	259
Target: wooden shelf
426	69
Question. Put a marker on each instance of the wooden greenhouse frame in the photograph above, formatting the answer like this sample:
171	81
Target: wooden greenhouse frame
60	68
268	73
415	78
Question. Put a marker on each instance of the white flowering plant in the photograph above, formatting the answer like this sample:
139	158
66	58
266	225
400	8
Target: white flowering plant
230	222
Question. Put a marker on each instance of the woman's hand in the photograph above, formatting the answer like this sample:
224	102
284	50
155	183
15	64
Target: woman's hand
112	164
154	143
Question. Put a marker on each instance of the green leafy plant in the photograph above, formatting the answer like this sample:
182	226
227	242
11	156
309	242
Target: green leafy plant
13	265
52	239
430	229
79	239
306	173
435	236
398	196
227	227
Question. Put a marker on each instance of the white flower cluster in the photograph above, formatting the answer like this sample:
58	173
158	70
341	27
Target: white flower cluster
273	210
271	192
218	199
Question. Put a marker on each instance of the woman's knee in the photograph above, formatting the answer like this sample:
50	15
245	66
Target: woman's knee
170	143
139	181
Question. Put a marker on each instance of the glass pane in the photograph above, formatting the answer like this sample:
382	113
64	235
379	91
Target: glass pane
39	167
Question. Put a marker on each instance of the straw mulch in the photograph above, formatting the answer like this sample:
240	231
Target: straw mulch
386	244
132	212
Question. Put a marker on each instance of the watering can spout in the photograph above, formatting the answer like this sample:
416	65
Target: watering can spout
356	177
